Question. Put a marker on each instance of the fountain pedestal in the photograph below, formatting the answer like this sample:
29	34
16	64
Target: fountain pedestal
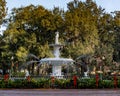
56	71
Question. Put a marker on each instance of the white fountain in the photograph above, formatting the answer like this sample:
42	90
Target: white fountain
56	62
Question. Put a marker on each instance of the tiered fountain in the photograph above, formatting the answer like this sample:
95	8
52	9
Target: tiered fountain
56	62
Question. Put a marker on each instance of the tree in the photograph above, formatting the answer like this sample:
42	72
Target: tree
84	29
106	37
80	27
28	31
2	10
2	15
116	55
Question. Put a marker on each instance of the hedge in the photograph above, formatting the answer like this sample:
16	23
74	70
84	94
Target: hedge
84	83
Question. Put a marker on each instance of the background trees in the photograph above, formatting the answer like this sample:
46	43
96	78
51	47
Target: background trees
2	15
116	23
80	27
84	28
2	10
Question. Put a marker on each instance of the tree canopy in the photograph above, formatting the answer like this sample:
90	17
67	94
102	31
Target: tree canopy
2	10
84	28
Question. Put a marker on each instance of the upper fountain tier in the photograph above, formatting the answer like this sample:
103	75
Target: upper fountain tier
56	46
56	38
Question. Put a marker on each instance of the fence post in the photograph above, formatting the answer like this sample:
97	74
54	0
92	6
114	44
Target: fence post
6	77
53	81
115	81
28	78
75	81
97	80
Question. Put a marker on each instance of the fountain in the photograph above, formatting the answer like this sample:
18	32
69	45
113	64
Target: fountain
56	62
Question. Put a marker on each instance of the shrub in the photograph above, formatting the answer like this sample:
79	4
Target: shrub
43	83
106	84
86	83
18	74
62	83
118	83
82	83
2	84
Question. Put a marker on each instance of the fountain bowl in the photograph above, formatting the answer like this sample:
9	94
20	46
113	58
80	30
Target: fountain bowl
56	61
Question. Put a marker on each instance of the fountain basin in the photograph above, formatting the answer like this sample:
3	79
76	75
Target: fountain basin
56	65
56	61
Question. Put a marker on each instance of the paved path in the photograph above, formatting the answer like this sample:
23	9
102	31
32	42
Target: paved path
60	92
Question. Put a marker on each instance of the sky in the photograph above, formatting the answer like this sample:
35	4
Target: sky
108	5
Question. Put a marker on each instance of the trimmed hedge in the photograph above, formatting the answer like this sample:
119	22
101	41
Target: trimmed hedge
82	83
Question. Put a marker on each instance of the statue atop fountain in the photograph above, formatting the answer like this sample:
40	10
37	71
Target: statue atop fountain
56	46
56	38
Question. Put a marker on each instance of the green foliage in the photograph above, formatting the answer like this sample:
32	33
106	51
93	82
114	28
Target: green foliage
29	29
108	84
86	83
82	83
2	10
118	82
117	35
80	27
84	27
62	83
43	83
18	74
21	53
2	84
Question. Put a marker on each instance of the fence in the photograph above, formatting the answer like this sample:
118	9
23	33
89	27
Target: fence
64	81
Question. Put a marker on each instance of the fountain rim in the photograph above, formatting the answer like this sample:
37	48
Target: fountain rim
56	45
56	61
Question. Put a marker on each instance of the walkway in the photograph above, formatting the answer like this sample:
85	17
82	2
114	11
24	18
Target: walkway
60	92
